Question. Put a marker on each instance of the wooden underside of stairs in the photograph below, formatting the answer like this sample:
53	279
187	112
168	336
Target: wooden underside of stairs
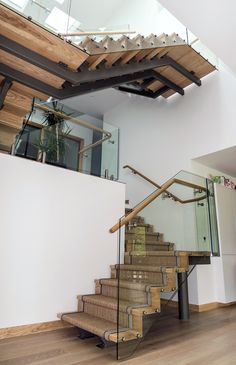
133	291
96	60
17	104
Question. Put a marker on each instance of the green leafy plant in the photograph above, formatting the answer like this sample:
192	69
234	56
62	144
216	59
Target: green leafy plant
52	144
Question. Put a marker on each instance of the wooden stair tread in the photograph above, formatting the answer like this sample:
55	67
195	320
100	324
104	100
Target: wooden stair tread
141	224
129	284
151	253
159	269
155	234
97	326
109	302
193	253
147	242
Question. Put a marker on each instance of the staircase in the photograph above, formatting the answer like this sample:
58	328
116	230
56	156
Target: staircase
35	62
124	306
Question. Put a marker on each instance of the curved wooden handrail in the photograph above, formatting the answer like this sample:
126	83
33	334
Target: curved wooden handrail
108	135
125	220
136	172
174	197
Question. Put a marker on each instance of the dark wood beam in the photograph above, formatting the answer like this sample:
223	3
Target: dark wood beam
147	82
189	75
69	90
168	83
149	94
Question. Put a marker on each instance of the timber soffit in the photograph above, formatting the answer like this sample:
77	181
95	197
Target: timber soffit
100	60
36	62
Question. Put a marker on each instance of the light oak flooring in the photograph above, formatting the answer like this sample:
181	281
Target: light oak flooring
208	338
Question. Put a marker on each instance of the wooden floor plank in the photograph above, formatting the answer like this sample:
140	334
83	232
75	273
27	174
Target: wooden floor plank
207	339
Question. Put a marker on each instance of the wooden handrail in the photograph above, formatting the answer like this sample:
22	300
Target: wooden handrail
125	220
136	172
98	32
108	135
175	198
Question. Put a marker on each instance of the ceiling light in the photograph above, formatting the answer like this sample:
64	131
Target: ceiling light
59	20
60	1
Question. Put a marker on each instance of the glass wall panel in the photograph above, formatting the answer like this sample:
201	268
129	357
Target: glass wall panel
63	137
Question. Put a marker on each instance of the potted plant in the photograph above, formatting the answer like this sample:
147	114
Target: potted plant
52	145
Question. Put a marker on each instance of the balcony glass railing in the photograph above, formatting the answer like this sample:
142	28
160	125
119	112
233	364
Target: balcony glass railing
60	136
162	236
66	17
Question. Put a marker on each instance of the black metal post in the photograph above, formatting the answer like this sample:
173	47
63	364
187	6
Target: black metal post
183	296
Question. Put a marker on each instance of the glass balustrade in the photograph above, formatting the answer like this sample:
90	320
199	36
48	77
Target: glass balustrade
58	135
158	239
66	17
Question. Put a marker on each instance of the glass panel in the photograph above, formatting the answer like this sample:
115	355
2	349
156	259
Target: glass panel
26	146
154	246
66	16
58	135
215	246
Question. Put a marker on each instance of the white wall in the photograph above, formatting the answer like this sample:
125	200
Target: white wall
226	201
213	21
54	238
160	137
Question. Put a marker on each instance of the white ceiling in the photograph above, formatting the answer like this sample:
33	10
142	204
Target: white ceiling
224	161
212	21
96	104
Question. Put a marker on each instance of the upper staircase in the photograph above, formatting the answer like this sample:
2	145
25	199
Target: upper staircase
124	306
35	62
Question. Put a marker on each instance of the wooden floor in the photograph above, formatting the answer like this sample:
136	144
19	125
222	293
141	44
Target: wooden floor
208	338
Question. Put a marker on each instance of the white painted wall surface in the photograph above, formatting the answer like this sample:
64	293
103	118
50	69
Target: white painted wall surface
213	21
226	202
160	137
54	238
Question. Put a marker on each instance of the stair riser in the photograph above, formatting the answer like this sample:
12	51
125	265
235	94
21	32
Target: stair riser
143	276
170	282
107	314
144	237
148	247
165	280
158	247
134	296
155	246
154	260
138	220
133	230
